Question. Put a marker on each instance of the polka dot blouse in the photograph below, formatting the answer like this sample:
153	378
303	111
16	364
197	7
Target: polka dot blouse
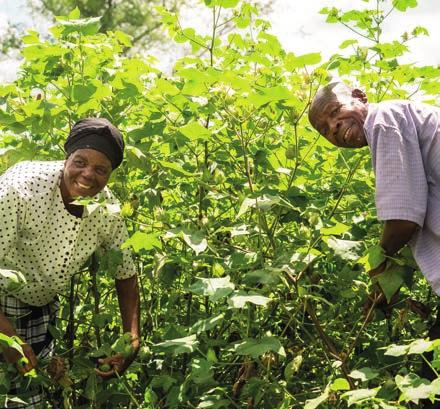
41	241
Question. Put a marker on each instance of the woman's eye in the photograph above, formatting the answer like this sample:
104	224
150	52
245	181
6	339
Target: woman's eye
101	172
79	163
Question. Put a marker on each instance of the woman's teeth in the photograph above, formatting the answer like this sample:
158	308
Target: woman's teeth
83	186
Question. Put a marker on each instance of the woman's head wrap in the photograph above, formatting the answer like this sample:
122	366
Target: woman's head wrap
98	134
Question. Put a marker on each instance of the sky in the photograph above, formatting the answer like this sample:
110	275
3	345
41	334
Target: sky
297	23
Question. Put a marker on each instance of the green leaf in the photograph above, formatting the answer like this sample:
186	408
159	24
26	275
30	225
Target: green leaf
208	324
384	405
102	319
32	52
15	280
268	275
397	350
143	241
11	342
32	37
196	240
179	345
292	62
193	238
338	228
402	5
419	31
83	93
264	96
373	257
214	288
87	26
420	346
201	371
167	87
359	395
122	343
74	14
164	382
258	347
91	386
346	249
314	403
264	203
347	43
340	384
123	38
293	367
392	278
364	374
414	388
176	167
194	131
240	298
222	3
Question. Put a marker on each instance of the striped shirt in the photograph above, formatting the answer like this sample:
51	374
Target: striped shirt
404	140
41	243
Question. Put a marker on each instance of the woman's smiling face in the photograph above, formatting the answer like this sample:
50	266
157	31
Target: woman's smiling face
85	174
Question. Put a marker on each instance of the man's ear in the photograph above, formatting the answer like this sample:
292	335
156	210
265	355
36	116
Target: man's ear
359	94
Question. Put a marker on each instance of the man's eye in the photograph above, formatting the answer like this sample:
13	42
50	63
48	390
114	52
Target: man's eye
79	163
334	111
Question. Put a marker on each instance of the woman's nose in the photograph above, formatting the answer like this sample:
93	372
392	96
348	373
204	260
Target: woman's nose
88	172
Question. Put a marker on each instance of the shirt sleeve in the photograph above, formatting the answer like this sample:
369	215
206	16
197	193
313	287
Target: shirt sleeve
116	235
401	184
12	213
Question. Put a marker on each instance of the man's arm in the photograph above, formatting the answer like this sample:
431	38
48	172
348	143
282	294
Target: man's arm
395	235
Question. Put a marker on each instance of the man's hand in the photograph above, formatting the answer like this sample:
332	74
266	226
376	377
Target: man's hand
377	298
12	356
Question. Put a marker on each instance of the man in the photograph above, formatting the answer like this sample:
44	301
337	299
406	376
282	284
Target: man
400	137
404	140
46	237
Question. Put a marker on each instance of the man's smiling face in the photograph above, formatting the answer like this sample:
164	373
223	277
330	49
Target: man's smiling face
339	114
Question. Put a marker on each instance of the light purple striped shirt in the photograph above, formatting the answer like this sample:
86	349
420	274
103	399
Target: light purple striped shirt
404	140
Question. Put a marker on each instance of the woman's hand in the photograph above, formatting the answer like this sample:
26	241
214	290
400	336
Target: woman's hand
108	367
13	356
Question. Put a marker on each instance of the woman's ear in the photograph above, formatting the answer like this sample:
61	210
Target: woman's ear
359	94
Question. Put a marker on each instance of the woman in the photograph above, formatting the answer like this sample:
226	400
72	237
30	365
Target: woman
45	238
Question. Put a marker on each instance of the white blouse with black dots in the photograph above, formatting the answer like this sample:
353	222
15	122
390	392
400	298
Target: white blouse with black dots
41	240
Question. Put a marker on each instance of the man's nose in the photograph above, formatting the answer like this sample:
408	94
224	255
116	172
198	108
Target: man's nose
335	124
